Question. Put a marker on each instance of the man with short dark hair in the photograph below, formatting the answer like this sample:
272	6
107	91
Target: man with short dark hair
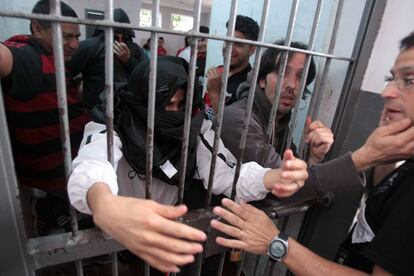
161	50
201	55
381	240
319	137
28	75
245	28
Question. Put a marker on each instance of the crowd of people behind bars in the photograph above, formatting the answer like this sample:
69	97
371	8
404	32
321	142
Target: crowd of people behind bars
114	194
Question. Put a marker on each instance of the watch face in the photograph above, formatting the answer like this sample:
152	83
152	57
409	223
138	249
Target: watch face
277	249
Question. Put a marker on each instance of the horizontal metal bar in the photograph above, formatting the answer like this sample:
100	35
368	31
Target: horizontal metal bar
106	23
62	248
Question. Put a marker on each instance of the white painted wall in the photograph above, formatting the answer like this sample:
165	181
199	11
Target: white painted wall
397	22
171	42
131	7
276	29
11	26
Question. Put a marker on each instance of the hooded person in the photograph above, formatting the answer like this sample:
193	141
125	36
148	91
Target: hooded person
88	61
94	179
131	114
127	175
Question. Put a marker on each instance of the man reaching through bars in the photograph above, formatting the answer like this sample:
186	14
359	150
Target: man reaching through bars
380	240
94	184
28	75
319	137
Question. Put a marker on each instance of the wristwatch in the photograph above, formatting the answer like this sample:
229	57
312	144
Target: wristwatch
278	247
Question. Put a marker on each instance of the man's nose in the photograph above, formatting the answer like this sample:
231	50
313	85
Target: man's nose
74	43
292	82
390	91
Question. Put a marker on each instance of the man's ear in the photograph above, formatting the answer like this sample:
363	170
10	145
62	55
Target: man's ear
252	50
262	83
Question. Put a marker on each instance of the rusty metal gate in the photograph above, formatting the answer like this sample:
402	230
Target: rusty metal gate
23	256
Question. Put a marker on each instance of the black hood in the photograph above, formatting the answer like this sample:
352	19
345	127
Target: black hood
121	17
172	73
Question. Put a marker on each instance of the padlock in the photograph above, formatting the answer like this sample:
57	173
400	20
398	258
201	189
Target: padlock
235	255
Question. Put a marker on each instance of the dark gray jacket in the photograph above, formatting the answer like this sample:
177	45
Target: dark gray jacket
323	178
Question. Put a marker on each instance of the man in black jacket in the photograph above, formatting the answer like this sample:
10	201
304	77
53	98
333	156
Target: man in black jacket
89	59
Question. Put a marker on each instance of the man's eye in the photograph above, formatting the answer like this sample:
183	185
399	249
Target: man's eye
408	81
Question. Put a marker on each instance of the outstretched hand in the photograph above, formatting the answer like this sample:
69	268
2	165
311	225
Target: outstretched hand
320	139
146	228
250	228
289	178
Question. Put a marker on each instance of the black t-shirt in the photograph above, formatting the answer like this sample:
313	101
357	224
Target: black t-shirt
25	79
234	81
390	214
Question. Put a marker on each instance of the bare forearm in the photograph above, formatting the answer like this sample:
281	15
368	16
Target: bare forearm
97	194
6	61
302	261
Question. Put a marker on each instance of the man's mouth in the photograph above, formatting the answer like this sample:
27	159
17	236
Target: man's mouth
392	113
288	100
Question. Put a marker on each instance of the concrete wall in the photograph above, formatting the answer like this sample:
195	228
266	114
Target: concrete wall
11	26
171	42
131	8
276	29
397	22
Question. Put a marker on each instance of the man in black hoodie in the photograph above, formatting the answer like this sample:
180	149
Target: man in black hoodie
89	59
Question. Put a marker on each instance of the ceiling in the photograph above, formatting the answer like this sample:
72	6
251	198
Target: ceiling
183	4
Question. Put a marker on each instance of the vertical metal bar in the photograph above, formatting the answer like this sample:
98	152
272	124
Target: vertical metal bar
219	115
256	265
304	75
221	263
151	99
252	93
281	74
63	110
270	265
109	82
240	264
189	103
13	228
151	106
109	91
362	32
199	264
314	105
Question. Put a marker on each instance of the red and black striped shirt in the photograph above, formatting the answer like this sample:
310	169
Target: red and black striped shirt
33	115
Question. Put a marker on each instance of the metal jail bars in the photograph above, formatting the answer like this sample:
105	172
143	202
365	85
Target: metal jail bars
30	254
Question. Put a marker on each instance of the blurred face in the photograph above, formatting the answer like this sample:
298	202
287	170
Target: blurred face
398	94
70	37
290	86
177	102
119	37
70	34
240	53
202	45
160	42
